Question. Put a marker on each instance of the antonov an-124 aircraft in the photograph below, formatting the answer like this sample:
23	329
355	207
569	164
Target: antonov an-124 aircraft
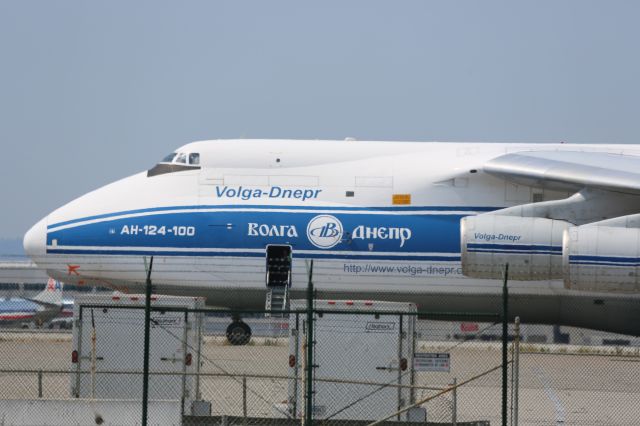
432	223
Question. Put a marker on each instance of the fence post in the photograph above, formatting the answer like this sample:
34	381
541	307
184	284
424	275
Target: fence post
308	415
94	356
399	396
147	322
199	318
505	339
78	325
244	397
516	372
39	383
454	414
185	349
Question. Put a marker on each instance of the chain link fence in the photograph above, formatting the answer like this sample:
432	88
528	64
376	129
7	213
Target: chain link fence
369	362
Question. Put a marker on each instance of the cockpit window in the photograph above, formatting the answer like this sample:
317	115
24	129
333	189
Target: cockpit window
176	162
168	158
181	158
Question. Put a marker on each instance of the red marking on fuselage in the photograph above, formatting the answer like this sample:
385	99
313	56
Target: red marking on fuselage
73	269
12	317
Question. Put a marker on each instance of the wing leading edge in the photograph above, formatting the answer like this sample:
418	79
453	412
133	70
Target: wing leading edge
569	170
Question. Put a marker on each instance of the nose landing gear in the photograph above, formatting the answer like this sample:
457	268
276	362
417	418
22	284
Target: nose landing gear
238	333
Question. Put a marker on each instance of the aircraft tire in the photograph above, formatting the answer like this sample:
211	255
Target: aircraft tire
238	333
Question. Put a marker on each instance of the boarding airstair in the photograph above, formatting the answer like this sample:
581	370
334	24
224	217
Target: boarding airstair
277	299
278	278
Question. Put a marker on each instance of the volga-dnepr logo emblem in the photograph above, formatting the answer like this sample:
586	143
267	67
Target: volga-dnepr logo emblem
324	231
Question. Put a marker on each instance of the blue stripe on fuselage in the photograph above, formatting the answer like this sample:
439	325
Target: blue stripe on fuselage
514	248
229	229
592	260
17	305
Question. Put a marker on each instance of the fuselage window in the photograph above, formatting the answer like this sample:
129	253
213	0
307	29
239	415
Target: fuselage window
168	158
194	158
181	158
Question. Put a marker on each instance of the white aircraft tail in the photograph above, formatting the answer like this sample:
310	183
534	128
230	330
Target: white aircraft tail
52	294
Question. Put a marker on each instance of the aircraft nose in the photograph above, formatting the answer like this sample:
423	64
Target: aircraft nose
35	239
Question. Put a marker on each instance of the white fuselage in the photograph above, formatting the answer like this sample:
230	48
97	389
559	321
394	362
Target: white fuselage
380	219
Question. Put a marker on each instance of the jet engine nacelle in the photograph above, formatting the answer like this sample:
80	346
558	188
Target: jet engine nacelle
532	247
602	258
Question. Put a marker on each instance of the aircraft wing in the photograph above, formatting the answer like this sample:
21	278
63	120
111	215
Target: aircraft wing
47	305
590	240
569	170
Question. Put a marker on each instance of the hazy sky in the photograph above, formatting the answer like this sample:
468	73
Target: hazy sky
91	92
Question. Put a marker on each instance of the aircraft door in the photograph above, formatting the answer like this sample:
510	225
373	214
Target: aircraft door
278	266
